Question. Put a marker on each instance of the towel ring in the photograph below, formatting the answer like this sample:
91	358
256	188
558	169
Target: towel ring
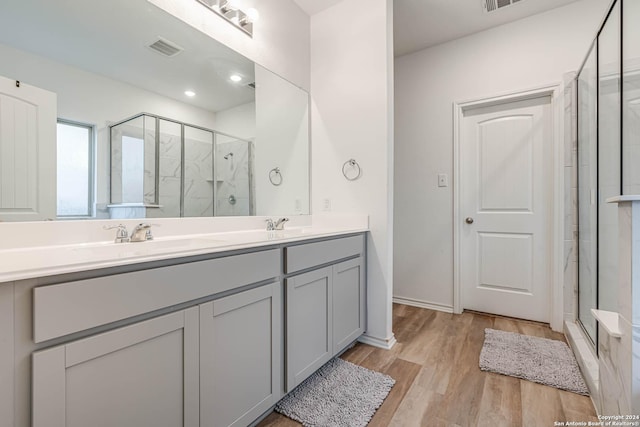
354	165
275	176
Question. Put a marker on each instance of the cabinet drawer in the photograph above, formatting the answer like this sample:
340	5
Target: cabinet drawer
309	255
71	307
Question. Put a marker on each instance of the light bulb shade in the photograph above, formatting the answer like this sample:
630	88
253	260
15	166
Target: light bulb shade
232	4
252	15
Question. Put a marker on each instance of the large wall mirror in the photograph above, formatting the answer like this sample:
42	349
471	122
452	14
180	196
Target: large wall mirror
116	109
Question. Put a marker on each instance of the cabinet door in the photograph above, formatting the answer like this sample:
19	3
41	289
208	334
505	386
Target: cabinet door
309	324
349	303
240	356
145	374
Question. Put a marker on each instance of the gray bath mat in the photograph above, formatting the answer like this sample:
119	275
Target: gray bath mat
340	394
540	360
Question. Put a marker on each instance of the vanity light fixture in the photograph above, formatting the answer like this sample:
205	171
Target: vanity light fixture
235	78
190	93
229	10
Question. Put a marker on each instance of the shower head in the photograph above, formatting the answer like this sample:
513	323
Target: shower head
228	155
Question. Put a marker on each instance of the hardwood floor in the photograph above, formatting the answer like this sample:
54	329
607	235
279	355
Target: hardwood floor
439	383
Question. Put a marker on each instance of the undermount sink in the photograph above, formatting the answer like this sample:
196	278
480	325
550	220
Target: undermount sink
149	247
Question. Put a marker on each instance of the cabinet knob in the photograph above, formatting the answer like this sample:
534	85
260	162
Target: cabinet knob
469	220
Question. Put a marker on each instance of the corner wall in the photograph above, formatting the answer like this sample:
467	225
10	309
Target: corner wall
522	55
352	117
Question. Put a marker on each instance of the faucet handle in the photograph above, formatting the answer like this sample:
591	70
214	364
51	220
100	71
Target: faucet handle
122	235
270	224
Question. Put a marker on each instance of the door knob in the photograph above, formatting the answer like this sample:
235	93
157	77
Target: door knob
469	220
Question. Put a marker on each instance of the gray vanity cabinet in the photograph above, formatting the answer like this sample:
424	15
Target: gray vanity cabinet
309	324
325	307
349	304
240	356
145	374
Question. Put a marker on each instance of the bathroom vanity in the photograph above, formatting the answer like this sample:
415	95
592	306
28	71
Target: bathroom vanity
211	336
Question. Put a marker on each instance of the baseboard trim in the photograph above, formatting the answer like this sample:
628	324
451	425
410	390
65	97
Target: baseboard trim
385	343
423	304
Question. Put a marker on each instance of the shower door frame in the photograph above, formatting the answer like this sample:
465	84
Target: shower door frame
215	133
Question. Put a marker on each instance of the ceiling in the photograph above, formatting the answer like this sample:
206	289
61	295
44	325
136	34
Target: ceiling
419	24
314	6
110	38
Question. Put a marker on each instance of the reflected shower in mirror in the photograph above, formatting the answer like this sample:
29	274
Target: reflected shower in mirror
104	67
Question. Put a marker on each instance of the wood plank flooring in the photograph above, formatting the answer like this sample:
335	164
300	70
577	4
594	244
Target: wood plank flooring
439	383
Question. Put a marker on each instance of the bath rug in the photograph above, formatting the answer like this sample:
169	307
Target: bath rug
340	394
540	360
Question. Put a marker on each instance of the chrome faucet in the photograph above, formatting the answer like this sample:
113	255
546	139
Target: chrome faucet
275	225
141	233
279	224
122	235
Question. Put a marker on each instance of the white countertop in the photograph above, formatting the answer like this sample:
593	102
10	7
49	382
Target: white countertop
41	261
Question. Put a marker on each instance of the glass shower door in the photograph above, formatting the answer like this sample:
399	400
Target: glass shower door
587	197
609	159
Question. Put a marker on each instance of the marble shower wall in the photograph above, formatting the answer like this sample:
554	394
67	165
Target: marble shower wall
198	173
185	165
169	171
234	183
570	198
619	358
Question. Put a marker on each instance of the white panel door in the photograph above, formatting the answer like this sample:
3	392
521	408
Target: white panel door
505	209
27	152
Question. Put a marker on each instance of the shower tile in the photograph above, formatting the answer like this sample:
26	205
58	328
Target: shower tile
570	273
635	367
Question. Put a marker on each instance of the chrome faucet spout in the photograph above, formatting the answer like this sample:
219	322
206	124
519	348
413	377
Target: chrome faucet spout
279	224
141	233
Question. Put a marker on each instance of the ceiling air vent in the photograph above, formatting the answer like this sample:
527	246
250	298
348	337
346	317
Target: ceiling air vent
493	5
165	47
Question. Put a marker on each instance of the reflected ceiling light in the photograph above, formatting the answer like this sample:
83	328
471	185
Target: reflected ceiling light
235	78
190	93
230	10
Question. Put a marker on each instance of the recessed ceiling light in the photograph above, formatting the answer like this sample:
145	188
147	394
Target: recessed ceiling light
189	93
235	78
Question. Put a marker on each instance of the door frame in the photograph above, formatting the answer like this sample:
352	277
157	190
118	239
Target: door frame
557	244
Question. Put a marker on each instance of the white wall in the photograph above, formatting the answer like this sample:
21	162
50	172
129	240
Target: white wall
280	40
238	121
282	141
352	117
93	99
532	52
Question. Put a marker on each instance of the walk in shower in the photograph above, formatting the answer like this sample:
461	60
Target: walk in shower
163	168
608	100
